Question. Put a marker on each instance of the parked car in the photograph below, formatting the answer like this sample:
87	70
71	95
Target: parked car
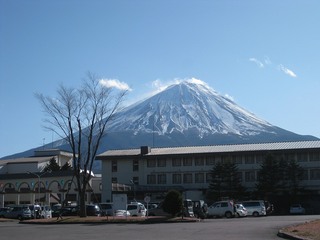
241	211
93	210
137	209
20	212
64	211
158	211
222	209
3	211
255	207
106	209
121	213
297	209
200	209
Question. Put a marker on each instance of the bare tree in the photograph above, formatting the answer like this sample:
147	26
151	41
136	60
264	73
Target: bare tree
80	116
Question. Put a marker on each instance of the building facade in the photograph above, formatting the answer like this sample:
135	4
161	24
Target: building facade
23	181
152	171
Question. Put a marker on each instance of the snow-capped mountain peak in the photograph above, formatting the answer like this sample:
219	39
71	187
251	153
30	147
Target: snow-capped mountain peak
188	105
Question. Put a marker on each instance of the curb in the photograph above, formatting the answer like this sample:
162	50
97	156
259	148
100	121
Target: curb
286	235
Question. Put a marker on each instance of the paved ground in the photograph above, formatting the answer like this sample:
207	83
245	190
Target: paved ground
231	229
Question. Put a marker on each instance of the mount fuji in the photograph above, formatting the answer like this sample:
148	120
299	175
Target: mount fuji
189	113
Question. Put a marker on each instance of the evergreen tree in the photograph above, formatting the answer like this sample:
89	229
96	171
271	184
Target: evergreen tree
66	167
225	181
52	166
294	173
268	176
279	176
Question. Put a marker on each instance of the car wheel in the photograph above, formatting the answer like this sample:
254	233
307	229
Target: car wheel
228	214
255	214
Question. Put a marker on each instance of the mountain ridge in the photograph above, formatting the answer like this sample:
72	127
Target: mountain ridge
189	113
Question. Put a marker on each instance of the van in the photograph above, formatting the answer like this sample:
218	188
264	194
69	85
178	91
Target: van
255	207
222	209
137	209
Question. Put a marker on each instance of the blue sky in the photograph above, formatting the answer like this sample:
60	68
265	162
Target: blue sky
263	54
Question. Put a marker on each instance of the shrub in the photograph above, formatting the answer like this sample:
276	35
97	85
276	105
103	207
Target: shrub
173	203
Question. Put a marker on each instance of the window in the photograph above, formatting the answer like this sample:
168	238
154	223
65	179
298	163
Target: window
187	161
250	176
208	177
114	180
151	179
199	178
176	178
114	166
161	162
199	161
162	178
210	160
151	163
187	178
135	165
176	162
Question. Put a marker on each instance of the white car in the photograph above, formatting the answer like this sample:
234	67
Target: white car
137	209
241	211
297	209
121	213
221	209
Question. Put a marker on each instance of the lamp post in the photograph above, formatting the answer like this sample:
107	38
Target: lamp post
39	177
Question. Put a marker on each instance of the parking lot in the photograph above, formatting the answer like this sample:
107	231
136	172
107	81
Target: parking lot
234	228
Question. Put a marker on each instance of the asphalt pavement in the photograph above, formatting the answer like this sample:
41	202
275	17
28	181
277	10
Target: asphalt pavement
231	229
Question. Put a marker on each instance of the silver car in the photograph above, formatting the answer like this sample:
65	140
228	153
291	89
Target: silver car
221	209
20	212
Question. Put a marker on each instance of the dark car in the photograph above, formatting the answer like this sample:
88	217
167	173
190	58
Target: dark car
93	210
3	211
58	210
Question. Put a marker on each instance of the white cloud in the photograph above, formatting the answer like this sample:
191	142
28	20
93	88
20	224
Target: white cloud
110	83
256	61
287	71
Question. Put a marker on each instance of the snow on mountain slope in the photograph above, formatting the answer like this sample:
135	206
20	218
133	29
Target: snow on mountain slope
186	106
